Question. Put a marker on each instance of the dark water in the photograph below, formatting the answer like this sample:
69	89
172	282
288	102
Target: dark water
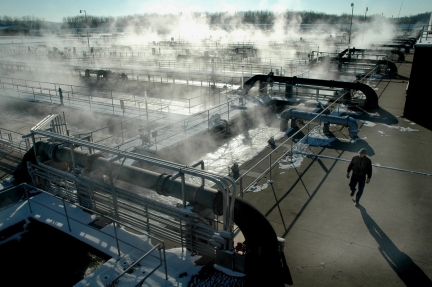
46	256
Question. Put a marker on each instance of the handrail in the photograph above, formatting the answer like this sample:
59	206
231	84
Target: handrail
220	181
114	281
159	246
278	147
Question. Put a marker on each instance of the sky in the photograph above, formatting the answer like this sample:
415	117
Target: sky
55	10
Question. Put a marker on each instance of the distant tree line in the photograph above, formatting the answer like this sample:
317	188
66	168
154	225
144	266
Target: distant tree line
29	22
216	18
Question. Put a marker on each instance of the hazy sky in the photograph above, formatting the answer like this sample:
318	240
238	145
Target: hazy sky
55	10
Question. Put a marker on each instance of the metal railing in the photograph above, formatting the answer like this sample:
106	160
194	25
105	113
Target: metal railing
13	141
160	246
272	162
426	33
105	193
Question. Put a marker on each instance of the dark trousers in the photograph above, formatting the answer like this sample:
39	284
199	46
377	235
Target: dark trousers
360	179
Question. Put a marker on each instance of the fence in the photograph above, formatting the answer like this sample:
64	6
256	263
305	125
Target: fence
13	141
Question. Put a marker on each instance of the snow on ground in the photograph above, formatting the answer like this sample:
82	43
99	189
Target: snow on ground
132	246
342	110
238	149
369	124
256	188
402	129
6	183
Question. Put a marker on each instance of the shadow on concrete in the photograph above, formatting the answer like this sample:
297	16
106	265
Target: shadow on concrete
311	195
352	146
401	77
401	263
377	115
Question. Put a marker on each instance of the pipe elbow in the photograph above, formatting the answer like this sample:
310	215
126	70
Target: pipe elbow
284	118
286	115
353	128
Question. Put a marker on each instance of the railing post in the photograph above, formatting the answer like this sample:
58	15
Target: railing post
183	190
113	192
181	235
28	200
148	219
112	101
228	110
241	187
67	216
164	255
116	237
270	164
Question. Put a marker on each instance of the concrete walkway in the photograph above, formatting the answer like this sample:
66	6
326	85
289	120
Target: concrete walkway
386	241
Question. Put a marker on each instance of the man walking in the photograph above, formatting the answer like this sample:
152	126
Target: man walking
361	166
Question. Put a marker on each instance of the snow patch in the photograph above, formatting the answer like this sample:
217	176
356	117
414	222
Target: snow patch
257	188
402	129
369	124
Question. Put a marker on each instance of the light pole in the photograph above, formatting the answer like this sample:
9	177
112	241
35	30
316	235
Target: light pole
364	23
352	13
85	16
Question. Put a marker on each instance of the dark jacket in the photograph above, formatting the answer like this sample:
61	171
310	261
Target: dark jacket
361	166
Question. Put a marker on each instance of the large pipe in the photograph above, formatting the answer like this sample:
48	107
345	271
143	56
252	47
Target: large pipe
371	96
161	183
295	114
391	65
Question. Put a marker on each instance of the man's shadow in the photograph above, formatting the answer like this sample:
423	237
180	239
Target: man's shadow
401	263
